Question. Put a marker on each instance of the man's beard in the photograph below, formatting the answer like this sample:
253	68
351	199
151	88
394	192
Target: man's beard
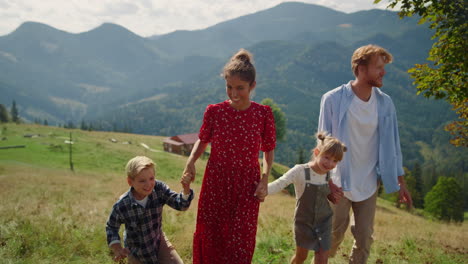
375	83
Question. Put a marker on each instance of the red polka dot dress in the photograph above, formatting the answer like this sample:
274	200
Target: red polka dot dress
227	208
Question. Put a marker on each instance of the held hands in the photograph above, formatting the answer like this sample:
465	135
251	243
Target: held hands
185	180
119	252
262	188
336	193
188	176
190	169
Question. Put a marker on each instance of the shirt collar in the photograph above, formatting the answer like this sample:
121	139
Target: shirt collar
133	199
349	90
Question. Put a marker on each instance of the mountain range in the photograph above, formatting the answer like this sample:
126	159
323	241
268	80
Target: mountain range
161	85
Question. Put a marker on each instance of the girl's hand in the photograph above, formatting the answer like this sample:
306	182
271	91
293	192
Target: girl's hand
336	193
262	188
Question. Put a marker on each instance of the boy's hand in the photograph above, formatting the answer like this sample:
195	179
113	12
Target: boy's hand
185	180
190	169
119	252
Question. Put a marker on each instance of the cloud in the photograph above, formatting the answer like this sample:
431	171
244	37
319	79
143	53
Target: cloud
144	17
121	8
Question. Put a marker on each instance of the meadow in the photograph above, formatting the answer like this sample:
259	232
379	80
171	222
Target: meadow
50	214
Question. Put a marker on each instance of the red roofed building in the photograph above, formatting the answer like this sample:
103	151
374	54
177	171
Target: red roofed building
181	144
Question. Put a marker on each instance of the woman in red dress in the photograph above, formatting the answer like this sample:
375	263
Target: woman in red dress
233	186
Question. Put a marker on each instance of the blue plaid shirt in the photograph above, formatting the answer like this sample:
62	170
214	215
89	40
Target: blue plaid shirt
142	234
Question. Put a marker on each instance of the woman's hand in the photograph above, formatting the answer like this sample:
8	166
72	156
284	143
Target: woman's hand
262	188
190	170
185	180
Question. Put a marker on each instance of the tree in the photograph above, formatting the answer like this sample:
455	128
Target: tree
280	118
14	113
301	157
445	200
69	125
417	194
83	125
445	77
3	114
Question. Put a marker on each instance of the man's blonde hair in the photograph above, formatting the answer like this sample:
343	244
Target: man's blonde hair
137	164
364	54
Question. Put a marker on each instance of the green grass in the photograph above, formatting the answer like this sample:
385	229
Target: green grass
91	151
49	214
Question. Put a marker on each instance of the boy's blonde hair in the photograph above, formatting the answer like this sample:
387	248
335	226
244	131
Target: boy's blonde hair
240	64
327	144
137	164
364	54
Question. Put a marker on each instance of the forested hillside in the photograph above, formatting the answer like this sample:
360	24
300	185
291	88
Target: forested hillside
112	79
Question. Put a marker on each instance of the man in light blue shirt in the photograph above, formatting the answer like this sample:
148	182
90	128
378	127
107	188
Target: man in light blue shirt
364	118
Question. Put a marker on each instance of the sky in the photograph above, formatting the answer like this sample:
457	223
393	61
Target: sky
145	17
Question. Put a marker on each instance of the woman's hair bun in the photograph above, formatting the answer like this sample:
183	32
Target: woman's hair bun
243	55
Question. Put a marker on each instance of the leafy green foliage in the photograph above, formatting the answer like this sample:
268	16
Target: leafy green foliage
446	77
445	200
280	118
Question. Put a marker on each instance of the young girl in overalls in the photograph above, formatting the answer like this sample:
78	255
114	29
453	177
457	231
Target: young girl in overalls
313	215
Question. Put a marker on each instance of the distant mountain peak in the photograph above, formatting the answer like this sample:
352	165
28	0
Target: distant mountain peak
307	6
35	27
112	28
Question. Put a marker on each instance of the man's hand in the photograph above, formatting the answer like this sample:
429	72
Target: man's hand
405	196
336	193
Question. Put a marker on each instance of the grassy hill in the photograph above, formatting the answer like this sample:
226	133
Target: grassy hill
50	214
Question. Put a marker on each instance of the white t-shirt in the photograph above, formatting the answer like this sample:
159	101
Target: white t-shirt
296	175
362	121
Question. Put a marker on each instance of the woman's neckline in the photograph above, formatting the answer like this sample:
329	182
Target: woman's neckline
228	103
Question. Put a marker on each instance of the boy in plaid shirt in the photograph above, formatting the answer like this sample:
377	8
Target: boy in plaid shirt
140	209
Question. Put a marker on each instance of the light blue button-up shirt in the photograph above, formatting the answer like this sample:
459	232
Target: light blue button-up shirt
333	110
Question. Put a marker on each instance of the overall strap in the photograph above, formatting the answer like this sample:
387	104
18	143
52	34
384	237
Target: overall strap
307	173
